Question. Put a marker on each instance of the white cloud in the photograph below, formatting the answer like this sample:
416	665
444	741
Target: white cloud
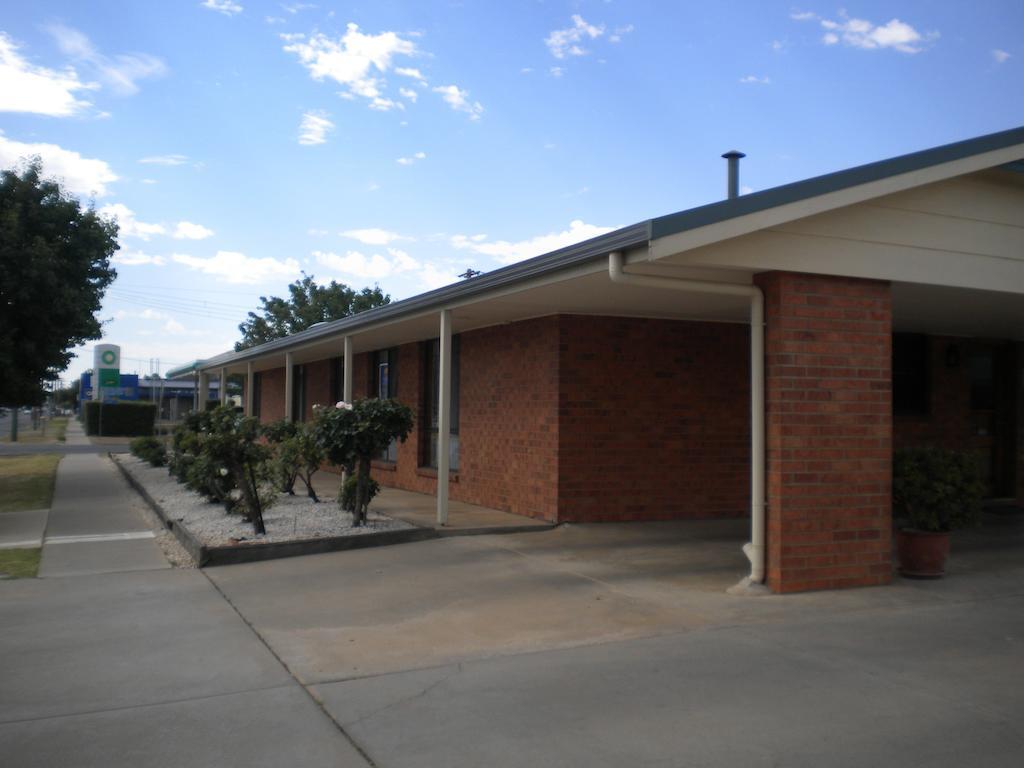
294	8
79	175
227	7
510	252
316	232
373	236
411	160
148	181
409	94
755	80
412	72
355	60
128	225
567	42
458	99
314	128
863	34
164	160
238	268
556	71
1000	55
433	277
41	91
186	230
373	267
120	72
617	35
137	258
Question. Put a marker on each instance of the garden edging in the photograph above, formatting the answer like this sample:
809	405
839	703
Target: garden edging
249	553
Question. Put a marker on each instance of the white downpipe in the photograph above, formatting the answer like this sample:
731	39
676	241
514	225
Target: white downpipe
444	414
755	549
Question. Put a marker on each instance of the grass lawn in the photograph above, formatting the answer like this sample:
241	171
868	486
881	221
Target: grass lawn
55	429
19	563
26	482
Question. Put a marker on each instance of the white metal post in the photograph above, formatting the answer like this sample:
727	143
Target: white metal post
250	388
223	386
204	391
346	385
288	383
444	415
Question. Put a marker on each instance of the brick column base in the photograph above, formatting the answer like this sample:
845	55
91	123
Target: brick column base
828	391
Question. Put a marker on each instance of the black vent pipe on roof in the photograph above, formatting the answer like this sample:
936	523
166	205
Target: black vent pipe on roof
733	156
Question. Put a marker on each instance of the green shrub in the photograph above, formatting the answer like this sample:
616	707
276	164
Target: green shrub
935	489
351	434
297	455
231	445
348	492
119	419
150	449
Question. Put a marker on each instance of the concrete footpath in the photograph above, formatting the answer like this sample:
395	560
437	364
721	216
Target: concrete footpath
112	658
587	645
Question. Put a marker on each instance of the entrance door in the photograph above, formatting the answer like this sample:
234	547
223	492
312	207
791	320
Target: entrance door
993	371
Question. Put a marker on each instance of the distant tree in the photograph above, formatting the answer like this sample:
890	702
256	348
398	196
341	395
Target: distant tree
67	397
55	267
308	304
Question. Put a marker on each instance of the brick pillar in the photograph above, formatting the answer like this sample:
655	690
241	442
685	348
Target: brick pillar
828	391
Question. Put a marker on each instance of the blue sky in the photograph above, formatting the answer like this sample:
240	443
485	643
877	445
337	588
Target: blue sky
398	143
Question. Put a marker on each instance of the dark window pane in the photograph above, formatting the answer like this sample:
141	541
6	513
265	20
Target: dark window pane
910	380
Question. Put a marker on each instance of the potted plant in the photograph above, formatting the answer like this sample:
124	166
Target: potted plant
934	491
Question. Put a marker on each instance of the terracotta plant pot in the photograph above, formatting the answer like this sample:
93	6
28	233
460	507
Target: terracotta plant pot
922	554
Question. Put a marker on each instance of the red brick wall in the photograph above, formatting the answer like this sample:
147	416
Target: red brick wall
508	429
271	395
318	386
654	419
829	431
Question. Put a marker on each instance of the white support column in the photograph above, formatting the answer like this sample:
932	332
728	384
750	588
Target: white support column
204	391
250	388
444	415
346	385
223	386
288	384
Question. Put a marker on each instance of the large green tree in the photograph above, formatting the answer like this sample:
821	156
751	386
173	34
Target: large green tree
54	269
306	305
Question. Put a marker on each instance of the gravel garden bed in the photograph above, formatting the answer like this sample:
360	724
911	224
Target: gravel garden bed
296	523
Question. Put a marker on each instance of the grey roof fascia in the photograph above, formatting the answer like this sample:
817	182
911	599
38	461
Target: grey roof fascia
573	255
754	202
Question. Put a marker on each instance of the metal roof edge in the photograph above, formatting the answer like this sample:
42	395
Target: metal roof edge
754	202
625	237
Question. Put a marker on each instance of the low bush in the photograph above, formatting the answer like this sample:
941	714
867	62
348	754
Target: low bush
119	419
297	455
935	489
348	492
150	449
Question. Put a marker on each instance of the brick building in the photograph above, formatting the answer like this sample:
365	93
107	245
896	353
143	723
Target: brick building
760	357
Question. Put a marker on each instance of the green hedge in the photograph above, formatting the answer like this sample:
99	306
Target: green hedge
120	419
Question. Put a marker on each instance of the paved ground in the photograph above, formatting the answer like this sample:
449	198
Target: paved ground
609	645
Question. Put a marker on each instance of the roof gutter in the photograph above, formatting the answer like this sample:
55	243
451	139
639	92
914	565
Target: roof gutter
755	548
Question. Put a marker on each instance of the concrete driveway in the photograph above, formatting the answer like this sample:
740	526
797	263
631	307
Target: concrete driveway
615	645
